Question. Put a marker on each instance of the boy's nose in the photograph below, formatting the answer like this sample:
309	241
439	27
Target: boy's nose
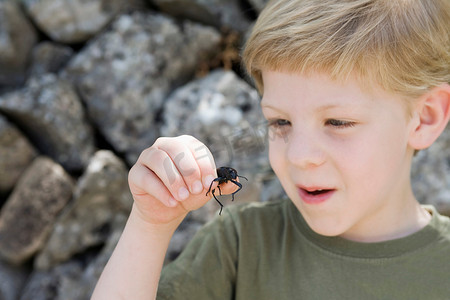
305	152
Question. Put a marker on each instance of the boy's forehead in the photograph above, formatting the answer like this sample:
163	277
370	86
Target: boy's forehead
321	91
311	84
284	91
317	82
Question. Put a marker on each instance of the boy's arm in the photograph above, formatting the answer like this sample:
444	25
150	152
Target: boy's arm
134	269
168	180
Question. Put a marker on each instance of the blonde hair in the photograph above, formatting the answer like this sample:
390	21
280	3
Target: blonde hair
402	45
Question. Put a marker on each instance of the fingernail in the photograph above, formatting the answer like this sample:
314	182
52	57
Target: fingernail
207	181
183	193
197	187
172	202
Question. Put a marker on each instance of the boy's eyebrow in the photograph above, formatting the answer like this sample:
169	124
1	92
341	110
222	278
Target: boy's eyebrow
265	105
330	106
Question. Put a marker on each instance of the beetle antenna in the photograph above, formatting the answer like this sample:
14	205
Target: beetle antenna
242	177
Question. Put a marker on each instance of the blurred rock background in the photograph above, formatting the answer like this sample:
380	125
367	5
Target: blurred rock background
85	86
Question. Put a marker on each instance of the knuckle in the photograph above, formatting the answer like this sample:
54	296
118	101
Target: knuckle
186	137
160	140
145	154
153	154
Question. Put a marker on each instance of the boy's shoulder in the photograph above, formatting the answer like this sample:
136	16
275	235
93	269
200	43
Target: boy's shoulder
440	223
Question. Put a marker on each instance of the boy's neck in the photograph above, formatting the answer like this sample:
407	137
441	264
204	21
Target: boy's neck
419	218
408	218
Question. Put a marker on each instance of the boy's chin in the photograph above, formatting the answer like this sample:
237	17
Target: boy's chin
327	232
326	228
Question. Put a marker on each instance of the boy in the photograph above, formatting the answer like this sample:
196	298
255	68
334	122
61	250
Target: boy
352	88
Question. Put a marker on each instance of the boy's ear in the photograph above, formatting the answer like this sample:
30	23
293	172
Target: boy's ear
431	116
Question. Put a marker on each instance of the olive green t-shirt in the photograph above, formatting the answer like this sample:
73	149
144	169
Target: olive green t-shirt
267	251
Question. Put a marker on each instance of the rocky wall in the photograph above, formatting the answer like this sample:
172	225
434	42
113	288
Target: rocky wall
85	86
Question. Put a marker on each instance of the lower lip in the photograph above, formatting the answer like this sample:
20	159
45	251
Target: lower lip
315	199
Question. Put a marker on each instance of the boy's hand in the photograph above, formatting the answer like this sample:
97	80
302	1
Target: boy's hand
171	178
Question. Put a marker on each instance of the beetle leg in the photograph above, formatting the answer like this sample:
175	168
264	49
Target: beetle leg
239	185
221	205
209	190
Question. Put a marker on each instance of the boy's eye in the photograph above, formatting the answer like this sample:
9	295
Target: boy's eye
339	123
278	123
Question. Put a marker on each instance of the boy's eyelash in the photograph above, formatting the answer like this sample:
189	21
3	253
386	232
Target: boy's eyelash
278	123
339	123
330	122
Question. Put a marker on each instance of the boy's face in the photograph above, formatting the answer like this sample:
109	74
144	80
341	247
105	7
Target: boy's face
342	155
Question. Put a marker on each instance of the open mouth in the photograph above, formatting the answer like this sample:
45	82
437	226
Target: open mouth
318	192
315	196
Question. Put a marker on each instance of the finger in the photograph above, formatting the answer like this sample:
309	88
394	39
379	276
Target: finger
162	165
185	163
205	161
143	182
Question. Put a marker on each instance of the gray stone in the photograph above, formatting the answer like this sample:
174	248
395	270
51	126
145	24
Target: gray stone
46	285
431	174
218	13
52	116
92	272
28	215
75	279
100	194
49	57
17	38
16	153
12	279
73	21
223	112
125	74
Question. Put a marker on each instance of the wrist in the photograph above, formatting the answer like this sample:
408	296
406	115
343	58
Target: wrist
137	219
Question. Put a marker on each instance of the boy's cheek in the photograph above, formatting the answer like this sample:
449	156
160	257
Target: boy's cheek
277	158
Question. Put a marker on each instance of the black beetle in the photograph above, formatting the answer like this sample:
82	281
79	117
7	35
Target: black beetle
225	174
